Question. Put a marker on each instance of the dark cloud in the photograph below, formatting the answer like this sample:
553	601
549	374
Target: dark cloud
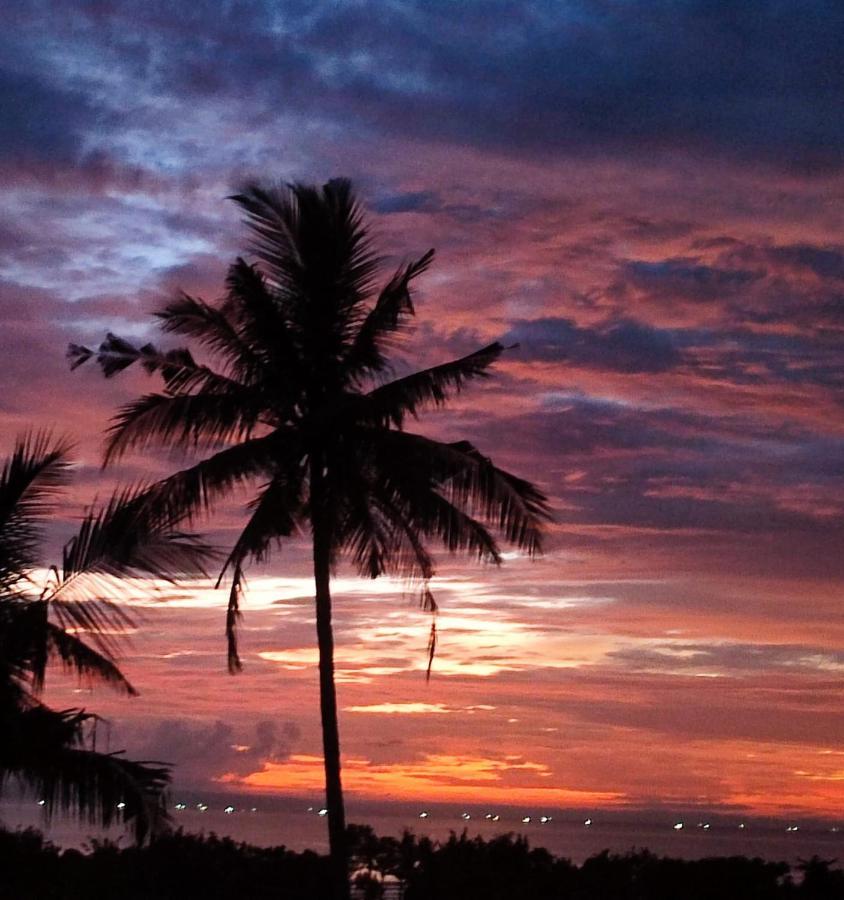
719	77
824	262
624	346
731	658
43	121
753	82
746	357
411	201
686	279
203	751
796	286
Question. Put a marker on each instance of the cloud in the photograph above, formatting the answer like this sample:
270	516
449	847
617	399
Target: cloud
535	78
730	658
623	346
202	752
43	121
686	279
409	201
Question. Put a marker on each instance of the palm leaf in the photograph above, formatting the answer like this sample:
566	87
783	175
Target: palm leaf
314	244
469	481
263	322
185	420
43	751
392	310
180	372
29	641
394	401
29	482
195	490
123	538
213	328
273	516
76	656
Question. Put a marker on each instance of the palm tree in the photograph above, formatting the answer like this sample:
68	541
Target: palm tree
51	753
299	405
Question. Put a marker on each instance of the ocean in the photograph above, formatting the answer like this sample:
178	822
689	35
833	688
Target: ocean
576	835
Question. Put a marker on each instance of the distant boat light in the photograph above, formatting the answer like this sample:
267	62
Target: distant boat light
423	815
678	826
323	812
587	822
228	810
525	819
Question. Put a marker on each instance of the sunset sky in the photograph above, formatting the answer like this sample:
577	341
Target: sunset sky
646	197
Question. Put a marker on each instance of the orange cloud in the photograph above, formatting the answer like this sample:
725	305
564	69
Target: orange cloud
434	777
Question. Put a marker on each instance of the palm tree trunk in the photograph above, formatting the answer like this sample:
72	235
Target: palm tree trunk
328	710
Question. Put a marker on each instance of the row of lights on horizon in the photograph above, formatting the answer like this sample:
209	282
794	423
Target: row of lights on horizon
490	817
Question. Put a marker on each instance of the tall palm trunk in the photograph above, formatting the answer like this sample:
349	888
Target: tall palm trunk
328	698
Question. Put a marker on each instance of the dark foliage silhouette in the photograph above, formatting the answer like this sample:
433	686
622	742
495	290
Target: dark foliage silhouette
194	867
65	617
297	404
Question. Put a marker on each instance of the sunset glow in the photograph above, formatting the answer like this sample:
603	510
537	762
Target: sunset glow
664	259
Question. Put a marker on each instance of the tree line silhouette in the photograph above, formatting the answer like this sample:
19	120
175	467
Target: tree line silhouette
183	867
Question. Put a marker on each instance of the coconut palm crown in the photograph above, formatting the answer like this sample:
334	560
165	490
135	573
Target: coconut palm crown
298	403
66	617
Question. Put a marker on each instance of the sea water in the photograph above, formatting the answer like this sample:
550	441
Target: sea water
576	835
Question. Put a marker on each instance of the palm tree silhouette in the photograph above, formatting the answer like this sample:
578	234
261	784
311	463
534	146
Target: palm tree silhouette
49	752
300	406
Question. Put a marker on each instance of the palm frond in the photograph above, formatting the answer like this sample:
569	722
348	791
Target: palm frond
264	325
188	421
430	604
126	537
103	621
392	310
76	656
23	643
194	491
177	367
215	329
516	507
393	401
29	481
315	247
29	641
273	218
469	482
380	536
233	618
44	752
273	517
